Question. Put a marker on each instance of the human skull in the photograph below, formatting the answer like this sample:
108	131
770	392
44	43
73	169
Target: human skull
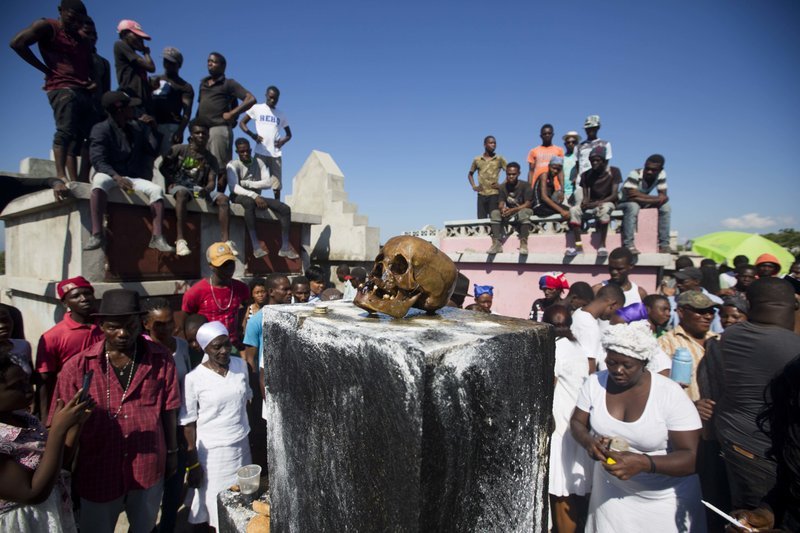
408	272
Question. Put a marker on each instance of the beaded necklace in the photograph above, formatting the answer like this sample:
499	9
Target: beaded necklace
230	300
108	382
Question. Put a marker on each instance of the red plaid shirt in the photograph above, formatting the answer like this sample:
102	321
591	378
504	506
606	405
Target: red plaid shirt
128	452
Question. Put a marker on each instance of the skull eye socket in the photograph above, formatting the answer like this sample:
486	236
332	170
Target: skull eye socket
399	265
377	271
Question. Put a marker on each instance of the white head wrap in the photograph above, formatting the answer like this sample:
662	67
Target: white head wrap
210	331
634	340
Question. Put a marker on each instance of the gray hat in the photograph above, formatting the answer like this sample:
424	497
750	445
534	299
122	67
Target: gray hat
689	273
173	55
556	160
738	302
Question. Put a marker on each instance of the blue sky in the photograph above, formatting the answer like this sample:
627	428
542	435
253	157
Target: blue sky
401	94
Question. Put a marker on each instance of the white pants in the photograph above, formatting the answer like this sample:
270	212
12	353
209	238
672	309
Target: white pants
106	182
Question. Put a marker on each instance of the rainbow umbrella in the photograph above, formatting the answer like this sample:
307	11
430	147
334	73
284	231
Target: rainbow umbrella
725	245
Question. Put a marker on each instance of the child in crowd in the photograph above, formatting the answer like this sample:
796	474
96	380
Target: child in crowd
33	494
258	295
580	294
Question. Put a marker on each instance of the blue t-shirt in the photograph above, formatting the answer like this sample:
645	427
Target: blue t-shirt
254	333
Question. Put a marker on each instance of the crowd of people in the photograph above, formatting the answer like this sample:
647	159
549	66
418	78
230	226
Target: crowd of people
128	403
143	401
633	449
122	136
576	184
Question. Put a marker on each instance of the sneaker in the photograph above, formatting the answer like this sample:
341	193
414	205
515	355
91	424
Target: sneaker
182	248
232	246
572	251
633	250
496	248
158	242
602	252
95	242
288	253
523	247
259	252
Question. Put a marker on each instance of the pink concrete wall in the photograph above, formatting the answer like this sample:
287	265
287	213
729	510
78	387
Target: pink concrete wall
646	240
516	284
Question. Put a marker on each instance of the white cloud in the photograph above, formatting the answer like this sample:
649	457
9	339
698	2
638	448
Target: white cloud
749	221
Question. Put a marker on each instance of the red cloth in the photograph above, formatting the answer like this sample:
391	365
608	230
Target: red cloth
118	455
69	59
59	343
198	299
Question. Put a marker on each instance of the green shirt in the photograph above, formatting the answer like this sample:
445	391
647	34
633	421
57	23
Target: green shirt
488	173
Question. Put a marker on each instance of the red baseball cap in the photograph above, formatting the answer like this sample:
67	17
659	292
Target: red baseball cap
67	285
133	26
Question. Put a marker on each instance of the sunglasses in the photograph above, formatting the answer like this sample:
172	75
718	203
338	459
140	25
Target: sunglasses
705	311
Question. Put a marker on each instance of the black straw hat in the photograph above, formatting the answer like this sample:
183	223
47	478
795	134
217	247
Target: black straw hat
119	302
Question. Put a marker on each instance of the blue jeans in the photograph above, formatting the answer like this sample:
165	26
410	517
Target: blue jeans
630	221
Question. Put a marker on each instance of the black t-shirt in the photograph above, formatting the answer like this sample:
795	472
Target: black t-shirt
168	99
131	78
601	185
517	195
216	99
183	165
753	354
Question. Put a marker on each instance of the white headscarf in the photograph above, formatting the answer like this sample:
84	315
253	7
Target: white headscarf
210	331
634	340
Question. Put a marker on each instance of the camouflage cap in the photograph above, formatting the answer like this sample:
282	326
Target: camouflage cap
695	300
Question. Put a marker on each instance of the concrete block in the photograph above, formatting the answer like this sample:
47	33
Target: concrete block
428	423
318	188
35	167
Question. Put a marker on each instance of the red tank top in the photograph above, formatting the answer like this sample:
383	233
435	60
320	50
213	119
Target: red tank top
69	59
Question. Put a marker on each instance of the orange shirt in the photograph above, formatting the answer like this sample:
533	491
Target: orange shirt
540	158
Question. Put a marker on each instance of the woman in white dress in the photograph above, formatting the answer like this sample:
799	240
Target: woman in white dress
652	486
214	416
570	468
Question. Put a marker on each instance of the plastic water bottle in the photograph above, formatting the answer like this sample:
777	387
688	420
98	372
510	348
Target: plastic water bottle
682	366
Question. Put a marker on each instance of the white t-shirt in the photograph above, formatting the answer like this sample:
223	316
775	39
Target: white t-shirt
571	370
668	409
217	403
586	329
671	503
269	124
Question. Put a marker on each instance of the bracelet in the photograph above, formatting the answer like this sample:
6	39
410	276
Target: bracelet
652	464
193	466
174	450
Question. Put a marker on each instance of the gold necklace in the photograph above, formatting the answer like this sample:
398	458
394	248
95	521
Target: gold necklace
230	300
108	382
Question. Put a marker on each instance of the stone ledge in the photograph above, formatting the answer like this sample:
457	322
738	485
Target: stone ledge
44	200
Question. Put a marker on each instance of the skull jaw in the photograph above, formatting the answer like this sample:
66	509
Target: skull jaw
373	299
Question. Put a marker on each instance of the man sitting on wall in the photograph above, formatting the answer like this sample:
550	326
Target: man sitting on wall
120	148
514	206
636	195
